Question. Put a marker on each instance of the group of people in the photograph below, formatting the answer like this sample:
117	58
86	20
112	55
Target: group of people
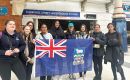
17	49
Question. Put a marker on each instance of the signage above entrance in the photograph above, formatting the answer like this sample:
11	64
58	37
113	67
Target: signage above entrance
50	13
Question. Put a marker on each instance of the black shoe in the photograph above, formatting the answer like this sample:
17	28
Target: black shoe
115	78
95	78
123	78
81	75
98	78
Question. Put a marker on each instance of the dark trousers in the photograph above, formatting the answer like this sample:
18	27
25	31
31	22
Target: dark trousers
97	65
28	70
116	67
44	78
82	74
16	66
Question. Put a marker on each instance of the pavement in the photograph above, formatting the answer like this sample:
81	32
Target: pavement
106	74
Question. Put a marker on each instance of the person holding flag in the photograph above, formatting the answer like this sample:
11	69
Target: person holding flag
44	35
71	34
83	34
57	31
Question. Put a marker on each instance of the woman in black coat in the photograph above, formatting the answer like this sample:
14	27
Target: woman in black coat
99	41
57	31
113	51
11	46
29	51
70	34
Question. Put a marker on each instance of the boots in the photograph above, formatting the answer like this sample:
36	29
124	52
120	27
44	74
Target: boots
115	78
122	74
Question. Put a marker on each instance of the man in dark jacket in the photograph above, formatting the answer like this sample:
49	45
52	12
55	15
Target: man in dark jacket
98	51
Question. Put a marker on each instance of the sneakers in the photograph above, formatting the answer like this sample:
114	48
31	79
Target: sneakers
115	78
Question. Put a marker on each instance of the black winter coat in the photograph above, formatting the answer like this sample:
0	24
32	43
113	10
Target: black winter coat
70	35
8	42
57	33
31	48
113	48
101	40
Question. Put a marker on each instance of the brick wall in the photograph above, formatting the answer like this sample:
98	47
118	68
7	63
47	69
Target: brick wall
17	18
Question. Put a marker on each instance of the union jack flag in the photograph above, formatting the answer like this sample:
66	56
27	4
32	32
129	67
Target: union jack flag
50	47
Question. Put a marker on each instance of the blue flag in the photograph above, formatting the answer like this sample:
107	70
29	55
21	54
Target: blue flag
62	56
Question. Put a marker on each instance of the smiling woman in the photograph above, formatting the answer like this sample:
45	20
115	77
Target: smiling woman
44	35
27	58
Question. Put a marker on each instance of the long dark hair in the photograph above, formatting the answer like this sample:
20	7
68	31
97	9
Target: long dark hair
42	25
118	34
112	25
53	28
33	30
56	21
86	30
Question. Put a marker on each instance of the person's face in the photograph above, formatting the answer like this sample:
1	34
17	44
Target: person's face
11	26
44	29
57	24
71	28
83	28
30	25
97	28
110	27
27	30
